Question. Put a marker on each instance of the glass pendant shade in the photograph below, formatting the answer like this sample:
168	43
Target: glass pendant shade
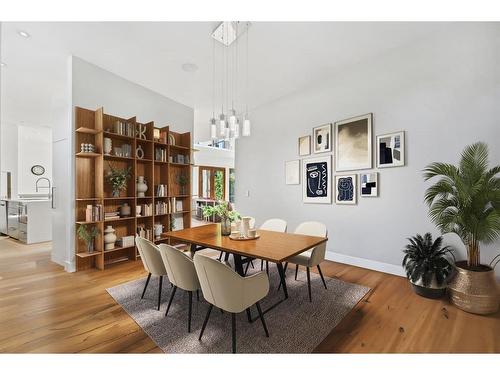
232	120
213	129
237	129
246	127
222	124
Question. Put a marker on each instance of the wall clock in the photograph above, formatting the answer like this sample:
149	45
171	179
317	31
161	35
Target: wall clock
37	170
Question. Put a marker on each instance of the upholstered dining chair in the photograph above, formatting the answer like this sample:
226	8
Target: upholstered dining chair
312	257
153	263
181	273
226	289
276	225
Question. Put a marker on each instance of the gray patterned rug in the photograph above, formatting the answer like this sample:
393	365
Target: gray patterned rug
295	325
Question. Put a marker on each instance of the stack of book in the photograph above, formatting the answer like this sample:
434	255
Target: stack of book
161	190
112	215
146	209
160	154
144	232
123	128
93	212
162	208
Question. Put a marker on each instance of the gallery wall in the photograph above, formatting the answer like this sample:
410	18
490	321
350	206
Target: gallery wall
444	91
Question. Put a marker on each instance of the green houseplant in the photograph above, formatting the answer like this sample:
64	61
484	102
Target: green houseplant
182	180
118	178
427	265
225	212
466	200
88	234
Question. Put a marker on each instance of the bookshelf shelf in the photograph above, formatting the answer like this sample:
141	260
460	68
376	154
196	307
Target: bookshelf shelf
94	194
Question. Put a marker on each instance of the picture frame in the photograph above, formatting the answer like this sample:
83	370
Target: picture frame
353	143
322	138
368	184
391	150
316	180
305	145
292	172
346	189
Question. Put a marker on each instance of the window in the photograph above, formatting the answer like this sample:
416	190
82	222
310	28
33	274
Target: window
212	183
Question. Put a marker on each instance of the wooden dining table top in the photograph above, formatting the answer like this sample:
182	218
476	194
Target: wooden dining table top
272	246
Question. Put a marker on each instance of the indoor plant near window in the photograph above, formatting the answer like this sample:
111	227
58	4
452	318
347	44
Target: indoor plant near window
466	200
223	210
427	265
88	235
118	179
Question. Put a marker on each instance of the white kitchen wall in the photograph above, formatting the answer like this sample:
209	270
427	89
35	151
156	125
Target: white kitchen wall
8	157
444	91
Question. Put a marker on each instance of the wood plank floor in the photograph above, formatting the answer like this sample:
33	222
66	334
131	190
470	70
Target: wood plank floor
44	309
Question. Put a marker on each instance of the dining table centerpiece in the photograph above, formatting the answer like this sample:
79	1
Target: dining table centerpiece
224	212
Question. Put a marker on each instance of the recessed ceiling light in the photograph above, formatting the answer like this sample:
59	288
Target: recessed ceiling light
23	33
188	67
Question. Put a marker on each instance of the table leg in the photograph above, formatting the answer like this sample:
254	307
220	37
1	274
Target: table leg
282	277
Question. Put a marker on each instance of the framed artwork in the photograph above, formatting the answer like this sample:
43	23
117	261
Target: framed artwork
368	184
305	145
345	189
322	138
391	150
316	180
292	172
353	143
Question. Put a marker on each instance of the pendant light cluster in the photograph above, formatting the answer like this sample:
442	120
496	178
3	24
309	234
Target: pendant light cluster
229	124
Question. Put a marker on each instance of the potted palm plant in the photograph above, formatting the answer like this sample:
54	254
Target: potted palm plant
118	178
427	265
226	213
466	200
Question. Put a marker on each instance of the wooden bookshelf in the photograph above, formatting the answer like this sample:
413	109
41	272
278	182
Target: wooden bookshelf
157	167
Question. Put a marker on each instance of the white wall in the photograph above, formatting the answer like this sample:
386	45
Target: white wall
444	91
8	157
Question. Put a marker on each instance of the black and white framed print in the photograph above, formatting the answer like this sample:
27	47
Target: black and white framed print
322	138
368	184
316	180
391	150
353	143
345	189
292	172
305	145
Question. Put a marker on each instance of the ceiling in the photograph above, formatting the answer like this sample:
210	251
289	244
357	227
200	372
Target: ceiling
283	57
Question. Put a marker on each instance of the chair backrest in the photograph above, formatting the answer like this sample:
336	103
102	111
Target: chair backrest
220	284
276	225
180	268
314	228
150	256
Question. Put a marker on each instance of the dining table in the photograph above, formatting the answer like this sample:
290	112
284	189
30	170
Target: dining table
275	247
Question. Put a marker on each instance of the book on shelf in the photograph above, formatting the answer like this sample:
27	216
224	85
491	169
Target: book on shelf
111	215
144	232
178	222
145	209
160	154
123	128
178	205
93	212
161	190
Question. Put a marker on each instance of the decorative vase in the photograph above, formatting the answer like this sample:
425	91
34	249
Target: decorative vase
139	152
138	210
108	145
109	238
245	225
158	230
116	193
141	186
124	210
225	227
90	246
476	292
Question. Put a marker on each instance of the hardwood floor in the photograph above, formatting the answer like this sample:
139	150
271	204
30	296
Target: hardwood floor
44	309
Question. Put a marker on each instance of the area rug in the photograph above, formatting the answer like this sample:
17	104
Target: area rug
295	326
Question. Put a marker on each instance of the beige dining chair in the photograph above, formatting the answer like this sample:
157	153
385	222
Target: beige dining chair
312	257
276	225
224	288
153	263
181	273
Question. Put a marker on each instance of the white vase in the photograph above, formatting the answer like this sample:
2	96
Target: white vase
141	186
109	238
158	230
245	225
108	145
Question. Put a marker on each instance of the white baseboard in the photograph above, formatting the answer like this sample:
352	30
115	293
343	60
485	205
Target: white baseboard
365	263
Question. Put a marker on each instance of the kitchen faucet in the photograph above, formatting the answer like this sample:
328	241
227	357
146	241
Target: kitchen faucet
42	187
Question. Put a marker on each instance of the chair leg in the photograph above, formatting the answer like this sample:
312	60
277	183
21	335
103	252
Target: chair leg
171	299
198	295
206	320
261	264
309	282
322	278
190	309
146	286
220	256
296	271
233	330
159	293
267	267
262	318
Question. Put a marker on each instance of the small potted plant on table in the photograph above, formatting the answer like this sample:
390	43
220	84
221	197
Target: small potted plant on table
427	265
224	211
88	235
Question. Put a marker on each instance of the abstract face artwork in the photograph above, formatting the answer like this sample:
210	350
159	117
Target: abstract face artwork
353	146
322	138
368	184
316	180
391	150
345	189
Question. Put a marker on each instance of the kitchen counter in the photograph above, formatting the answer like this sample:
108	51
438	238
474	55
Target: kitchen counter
29	220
